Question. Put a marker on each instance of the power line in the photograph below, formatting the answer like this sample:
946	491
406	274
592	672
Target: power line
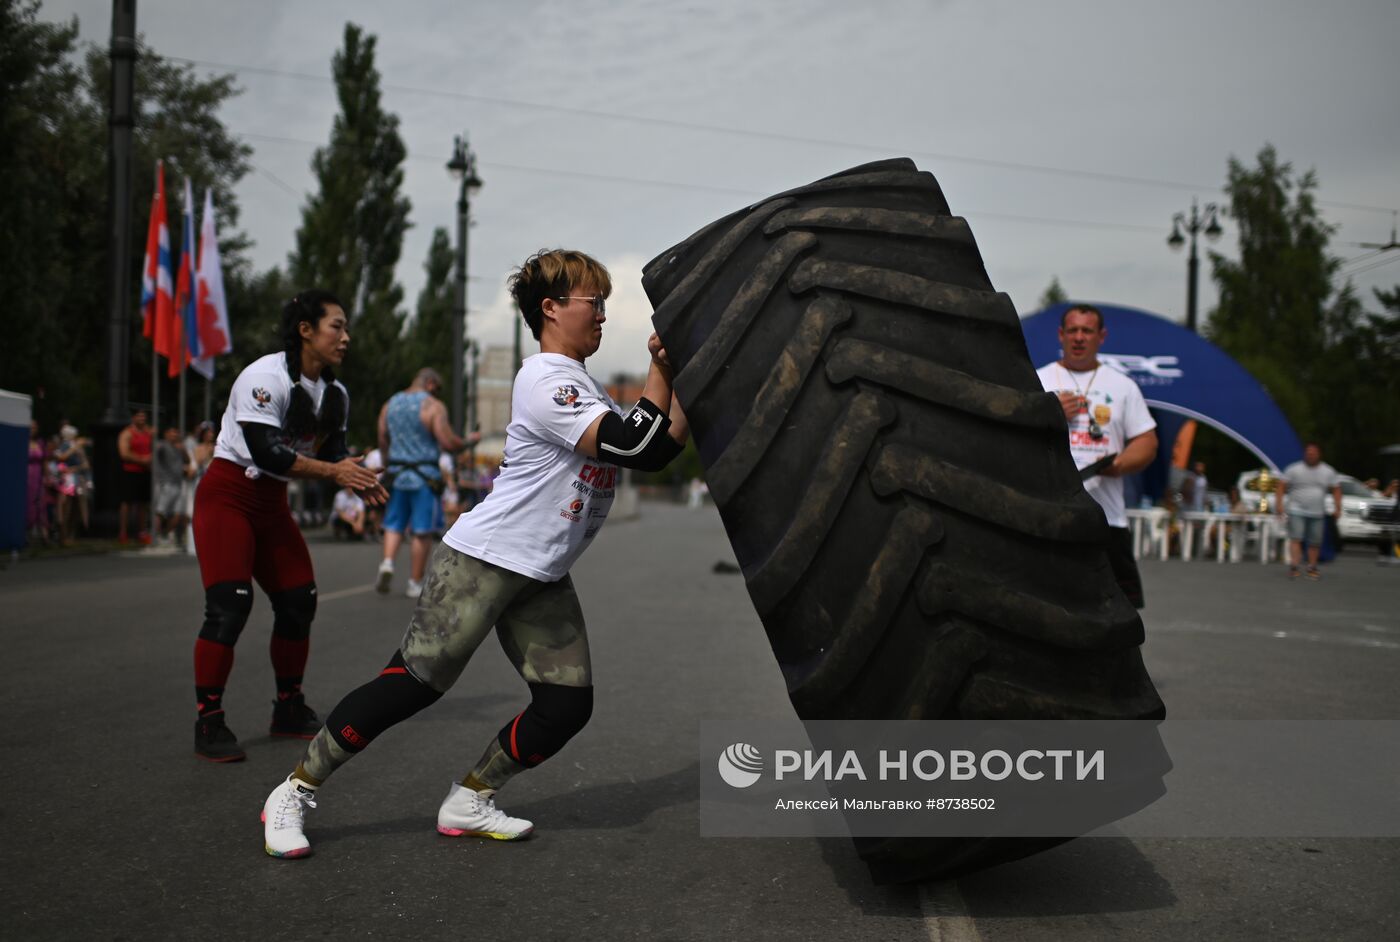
528	169
1381	263
1014	166
276	179
749	194
1362	258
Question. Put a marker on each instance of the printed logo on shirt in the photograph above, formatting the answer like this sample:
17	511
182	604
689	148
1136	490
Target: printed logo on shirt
602	477
261	396
572	513
567	396
1079	438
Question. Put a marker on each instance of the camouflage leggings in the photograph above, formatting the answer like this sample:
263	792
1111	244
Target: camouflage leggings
539	624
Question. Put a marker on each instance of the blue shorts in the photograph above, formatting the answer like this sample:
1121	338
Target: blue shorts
1307	530
419	511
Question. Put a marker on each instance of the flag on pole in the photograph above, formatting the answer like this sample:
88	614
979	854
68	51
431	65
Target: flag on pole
157	290
186	336
214	336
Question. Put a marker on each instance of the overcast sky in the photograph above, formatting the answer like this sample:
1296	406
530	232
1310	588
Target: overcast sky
585	118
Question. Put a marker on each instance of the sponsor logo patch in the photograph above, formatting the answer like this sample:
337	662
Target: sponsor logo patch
573	511
567	396
261	396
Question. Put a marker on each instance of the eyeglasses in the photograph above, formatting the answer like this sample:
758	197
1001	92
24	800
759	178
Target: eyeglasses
599	302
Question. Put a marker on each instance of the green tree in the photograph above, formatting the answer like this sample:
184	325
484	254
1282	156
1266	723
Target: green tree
1054	294
54	202
430	335
39	161
352	229
1311	344
1273	301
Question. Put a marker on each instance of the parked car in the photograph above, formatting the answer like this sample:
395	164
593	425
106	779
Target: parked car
1257	488
1357	499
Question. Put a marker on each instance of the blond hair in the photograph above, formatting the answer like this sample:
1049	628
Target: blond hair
554	273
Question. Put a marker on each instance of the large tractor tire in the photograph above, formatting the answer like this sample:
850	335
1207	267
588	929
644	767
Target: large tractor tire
897	488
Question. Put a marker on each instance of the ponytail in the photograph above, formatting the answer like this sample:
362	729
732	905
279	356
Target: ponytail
309	307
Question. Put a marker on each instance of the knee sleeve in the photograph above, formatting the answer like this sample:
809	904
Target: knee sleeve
555	715
367	711
292	612
226	609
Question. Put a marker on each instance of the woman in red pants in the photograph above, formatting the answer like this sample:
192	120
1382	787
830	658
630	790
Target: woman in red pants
285	419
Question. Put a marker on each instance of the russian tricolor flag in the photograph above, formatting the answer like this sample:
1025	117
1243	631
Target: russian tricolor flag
186	329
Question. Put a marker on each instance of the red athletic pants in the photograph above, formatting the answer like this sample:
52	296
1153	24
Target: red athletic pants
243	530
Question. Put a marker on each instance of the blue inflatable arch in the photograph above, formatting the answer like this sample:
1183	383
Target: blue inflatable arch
1181	374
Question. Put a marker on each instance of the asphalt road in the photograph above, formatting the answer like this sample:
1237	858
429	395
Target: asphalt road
113	830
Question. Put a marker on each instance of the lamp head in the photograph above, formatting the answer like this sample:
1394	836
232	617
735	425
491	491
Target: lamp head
1213	230
1176	240
458	166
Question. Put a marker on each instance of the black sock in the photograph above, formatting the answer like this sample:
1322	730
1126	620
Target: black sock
209	701
287	688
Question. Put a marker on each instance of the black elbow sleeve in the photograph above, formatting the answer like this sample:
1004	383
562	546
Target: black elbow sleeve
637	440
268	446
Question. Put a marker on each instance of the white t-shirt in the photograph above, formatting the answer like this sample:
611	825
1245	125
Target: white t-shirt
549	500
1308	487
1116	403
348	502
261	394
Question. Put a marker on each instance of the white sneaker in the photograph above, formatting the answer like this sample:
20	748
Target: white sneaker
386	576
284	816
415	589
465	813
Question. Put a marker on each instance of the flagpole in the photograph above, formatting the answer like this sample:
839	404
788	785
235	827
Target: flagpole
155	437
181	425
209	395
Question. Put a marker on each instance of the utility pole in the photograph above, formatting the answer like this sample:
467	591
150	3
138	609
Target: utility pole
120	119
462	166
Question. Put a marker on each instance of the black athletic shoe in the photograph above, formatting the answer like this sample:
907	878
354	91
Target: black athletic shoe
215	741
292	717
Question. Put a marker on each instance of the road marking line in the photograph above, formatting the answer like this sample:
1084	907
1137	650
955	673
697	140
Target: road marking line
346	593
945	913
1274	633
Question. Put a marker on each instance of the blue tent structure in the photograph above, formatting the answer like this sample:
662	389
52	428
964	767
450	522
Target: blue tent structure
14	468
1182	376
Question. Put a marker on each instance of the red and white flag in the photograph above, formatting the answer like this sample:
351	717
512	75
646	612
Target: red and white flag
157	286
212	314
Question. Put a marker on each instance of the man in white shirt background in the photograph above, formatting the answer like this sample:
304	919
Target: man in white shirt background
1306	484
1109	427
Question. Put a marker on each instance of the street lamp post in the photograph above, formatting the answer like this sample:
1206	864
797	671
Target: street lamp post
1210	223
462	166
473	407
